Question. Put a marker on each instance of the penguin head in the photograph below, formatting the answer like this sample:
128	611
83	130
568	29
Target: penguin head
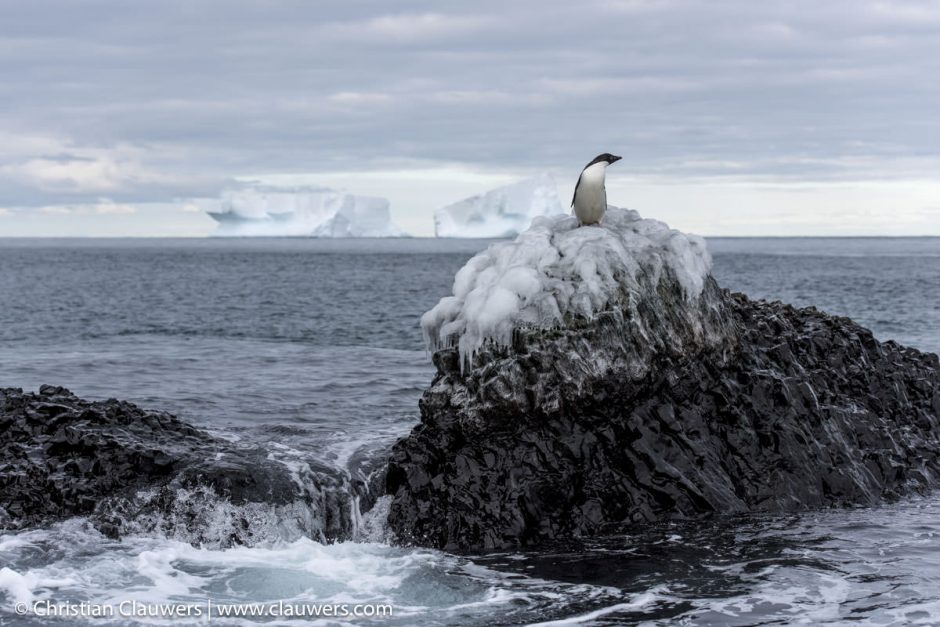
605	158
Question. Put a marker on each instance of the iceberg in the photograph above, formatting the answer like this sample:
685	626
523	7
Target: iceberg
302	212
502	212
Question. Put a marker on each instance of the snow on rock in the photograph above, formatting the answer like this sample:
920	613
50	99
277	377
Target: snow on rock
303	212
556	271
502	212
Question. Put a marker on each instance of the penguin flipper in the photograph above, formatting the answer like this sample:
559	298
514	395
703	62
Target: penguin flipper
576	186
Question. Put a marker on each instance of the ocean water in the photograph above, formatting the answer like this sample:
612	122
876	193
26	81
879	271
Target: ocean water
311	348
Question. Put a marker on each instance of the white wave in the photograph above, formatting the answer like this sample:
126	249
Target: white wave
80	564
200	516
373	525
638	603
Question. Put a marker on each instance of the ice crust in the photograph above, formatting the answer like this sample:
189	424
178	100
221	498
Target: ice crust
502	212
556	271
309	212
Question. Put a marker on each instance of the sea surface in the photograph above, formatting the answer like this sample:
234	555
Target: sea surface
312	349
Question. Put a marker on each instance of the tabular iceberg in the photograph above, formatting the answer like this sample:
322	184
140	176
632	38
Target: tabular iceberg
502	212
302	212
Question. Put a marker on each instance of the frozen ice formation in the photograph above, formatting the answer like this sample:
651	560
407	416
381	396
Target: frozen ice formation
556	271
302	212
501	212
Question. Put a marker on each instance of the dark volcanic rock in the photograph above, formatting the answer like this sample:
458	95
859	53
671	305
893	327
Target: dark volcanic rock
755	407
136	470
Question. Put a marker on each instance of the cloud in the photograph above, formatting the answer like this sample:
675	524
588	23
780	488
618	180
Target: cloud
408	28
79	174
171	100
104	206
110	207
54	210
907	12
360	98
46	170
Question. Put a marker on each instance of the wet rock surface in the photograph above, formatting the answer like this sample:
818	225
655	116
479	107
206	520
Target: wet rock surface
664	410
132	470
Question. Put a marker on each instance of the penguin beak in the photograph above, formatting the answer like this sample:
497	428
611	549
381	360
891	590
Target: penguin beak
614	158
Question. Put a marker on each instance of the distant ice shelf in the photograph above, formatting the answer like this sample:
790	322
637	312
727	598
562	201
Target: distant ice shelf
302	212
502	212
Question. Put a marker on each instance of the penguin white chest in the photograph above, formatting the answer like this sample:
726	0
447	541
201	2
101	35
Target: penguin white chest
590	198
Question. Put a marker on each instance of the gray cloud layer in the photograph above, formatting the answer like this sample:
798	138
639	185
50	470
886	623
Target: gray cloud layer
137	102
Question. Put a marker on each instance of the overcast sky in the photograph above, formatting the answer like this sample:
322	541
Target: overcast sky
733	117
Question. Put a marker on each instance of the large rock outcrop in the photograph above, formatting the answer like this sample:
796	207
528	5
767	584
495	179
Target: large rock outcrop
665	401
132	470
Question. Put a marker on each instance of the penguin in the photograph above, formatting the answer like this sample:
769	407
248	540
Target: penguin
590	196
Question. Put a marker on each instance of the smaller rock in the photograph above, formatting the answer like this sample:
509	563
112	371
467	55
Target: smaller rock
132	470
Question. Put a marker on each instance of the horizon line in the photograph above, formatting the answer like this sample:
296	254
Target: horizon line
423	237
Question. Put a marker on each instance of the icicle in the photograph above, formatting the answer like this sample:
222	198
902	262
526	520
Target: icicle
556	271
